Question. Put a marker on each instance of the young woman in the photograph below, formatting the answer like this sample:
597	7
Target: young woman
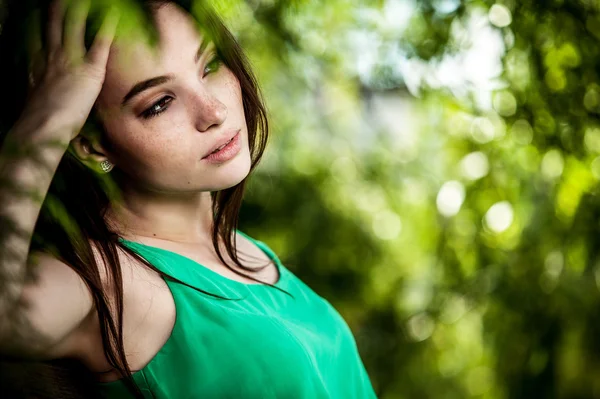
132	270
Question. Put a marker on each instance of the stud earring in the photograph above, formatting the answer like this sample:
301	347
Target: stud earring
106	166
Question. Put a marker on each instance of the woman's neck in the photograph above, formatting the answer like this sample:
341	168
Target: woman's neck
183	220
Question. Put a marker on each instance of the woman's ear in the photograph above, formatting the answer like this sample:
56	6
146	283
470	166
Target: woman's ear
90	152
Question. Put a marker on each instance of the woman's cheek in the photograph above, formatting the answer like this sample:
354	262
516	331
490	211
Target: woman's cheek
232	84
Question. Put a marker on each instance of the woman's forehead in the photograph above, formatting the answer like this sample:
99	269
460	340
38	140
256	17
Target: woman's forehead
134	58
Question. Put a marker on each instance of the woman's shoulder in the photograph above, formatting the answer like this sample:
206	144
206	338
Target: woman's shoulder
53	303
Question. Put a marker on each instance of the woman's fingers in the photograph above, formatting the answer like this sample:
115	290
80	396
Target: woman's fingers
74	33
56	15
98	53
73	77
66	33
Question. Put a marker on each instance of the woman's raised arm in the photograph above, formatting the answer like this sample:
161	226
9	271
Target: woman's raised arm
63	91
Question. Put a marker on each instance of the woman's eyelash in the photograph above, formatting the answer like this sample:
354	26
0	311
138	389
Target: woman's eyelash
162	106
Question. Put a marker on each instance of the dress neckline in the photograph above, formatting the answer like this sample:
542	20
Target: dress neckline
282	276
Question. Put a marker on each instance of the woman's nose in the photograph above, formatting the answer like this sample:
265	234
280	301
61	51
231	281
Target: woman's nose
208	110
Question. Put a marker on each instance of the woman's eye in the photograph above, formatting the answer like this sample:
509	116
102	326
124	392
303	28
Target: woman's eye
213	65
157	108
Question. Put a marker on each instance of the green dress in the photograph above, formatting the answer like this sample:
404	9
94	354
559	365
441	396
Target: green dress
259	343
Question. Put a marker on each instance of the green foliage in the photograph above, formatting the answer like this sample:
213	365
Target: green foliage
454	226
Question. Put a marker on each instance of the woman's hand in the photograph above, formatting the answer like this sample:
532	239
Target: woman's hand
65	86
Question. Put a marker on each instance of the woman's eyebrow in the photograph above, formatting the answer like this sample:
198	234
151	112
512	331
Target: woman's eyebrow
159	80
145	85
203	45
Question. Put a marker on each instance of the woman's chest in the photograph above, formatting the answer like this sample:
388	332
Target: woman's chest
149	314
246	349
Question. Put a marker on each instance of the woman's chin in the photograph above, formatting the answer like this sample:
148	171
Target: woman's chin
232	174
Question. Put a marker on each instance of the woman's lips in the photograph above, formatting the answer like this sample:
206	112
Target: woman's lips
226	153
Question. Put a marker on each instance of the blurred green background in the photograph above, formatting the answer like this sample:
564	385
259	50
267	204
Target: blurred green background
433	171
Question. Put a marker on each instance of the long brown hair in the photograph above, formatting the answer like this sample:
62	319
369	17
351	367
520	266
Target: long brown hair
69	230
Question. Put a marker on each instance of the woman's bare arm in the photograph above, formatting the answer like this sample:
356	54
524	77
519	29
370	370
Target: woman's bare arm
32	288
41	299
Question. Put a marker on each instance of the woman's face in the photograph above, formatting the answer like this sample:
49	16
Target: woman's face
160	132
